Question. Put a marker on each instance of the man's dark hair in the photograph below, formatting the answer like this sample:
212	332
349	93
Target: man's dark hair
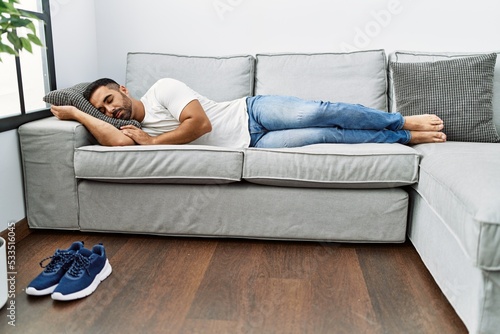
99	83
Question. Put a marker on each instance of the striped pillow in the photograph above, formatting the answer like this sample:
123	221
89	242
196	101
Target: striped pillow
73	96
460	91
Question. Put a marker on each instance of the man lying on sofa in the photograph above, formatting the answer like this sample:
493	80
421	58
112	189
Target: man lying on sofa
172	113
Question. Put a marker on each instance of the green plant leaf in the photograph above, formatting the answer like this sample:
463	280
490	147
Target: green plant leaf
26	44
19	22
34	39
7	49
27	14
9	8
31	26
15	40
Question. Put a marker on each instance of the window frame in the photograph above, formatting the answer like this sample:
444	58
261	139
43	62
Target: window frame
13	122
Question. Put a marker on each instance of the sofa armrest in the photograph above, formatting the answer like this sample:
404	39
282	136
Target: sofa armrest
47	151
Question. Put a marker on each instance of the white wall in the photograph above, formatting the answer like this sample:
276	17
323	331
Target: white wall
225	27
11	185
74	35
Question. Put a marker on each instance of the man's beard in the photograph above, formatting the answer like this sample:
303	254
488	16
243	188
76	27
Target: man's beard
126	110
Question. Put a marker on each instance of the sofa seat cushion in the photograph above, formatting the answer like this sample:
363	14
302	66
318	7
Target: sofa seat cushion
188	164
461	182
333	166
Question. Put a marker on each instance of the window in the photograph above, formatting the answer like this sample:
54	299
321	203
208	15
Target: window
25	79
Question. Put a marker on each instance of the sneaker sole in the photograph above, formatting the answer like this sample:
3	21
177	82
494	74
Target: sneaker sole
34	292
105	272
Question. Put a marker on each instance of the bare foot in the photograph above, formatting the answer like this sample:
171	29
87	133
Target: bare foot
423	123
420	137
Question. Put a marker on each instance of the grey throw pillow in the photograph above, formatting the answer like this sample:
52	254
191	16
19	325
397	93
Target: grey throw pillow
460	91
73	96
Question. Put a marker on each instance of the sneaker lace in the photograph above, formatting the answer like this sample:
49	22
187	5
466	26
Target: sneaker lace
81	263
58	260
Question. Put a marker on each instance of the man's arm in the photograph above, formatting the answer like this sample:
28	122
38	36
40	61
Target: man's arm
105	133
194	124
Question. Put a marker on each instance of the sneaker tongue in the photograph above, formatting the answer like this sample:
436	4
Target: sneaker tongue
85	252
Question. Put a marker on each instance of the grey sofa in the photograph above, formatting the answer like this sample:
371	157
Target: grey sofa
445	197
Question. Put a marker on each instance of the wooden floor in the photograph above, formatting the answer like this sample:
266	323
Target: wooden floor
185	285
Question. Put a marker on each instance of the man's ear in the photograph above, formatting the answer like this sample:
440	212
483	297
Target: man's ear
124	90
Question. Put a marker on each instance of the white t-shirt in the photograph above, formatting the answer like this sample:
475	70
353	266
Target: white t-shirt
166	99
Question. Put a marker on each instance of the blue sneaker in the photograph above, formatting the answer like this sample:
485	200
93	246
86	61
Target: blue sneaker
88	270
47	280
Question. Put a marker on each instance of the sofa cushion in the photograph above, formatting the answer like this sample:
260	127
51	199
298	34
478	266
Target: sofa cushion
218	78
333	166
415	56
355	77
189	164
459	91
461	182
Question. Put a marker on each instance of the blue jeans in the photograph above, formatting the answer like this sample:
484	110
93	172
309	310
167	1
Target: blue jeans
283	121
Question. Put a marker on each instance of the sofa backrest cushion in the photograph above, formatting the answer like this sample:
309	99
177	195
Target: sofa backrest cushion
218	78
354	77
414	57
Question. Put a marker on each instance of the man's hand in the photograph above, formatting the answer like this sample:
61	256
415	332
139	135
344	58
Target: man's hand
137	135
65	112
194	124
105	133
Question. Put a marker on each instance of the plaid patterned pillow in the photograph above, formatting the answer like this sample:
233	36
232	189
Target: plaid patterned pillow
73	96
460	91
